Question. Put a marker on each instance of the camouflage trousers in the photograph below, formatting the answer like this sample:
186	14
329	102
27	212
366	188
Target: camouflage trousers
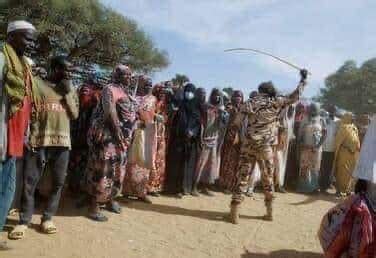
264	156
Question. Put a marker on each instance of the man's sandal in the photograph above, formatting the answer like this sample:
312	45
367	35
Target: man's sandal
48	227
18	232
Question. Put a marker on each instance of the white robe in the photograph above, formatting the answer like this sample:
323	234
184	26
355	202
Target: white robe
366	166
288	123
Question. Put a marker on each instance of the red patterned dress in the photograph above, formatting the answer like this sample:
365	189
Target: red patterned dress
349	229
157	175
108	151
230	152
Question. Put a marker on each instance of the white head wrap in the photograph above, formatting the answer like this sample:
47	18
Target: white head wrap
20	25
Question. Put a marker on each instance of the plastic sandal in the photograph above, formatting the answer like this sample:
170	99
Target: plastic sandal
48	227
18	232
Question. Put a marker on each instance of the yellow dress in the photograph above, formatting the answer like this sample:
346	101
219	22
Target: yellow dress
347	147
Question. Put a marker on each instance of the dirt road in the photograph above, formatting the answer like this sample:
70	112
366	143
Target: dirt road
191	227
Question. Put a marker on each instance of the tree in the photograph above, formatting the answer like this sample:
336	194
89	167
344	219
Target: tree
85	30
351	87
180	79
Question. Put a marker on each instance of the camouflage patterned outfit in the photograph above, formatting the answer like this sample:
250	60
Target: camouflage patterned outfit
261	115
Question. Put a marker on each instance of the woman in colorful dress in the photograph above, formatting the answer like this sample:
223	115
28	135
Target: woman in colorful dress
89	95
292	166
143	151
311	137
231	146
347	147
109	137
213	124
157	175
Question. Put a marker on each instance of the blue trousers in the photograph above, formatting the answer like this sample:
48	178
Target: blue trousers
7	188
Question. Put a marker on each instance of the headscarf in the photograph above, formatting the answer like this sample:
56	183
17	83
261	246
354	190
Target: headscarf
215	93
314	110
191	88
144	84
158	89
239	94
120	68
190	104
200	95
347	135
347	119
160	93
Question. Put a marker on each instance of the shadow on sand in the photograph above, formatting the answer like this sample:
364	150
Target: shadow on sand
173	210
311	198
68	209
282	254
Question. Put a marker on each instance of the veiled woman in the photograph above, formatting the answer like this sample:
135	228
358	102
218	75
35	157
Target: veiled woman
347	147
109	137
183	144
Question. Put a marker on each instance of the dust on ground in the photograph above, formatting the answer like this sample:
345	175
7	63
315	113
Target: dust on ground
188	227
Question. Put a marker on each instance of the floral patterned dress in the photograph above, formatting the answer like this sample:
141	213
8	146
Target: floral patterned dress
137	178
107	151
230	152
349	229
157	175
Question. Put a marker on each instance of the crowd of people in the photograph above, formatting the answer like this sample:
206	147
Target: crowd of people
133	139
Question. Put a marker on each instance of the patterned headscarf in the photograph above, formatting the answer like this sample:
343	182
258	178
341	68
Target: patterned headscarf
121	69
158	89
347	119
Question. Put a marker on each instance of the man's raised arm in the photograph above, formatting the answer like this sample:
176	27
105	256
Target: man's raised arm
294	96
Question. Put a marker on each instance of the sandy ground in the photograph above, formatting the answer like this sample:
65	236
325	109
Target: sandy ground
191	227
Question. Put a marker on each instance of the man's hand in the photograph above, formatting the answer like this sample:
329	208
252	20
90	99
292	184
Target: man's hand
303	75
65	86
190	134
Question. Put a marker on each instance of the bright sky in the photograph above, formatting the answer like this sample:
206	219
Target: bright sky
317	34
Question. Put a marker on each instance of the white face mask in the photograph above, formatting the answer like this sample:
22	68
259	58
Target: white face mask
189	95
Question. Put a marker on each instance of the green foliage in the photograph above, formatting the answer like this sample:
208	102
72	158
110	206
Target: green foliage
351	87
86	31
180	79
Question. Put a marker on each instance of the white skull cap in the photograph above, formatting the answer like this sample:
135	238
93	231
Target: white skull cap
20	25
